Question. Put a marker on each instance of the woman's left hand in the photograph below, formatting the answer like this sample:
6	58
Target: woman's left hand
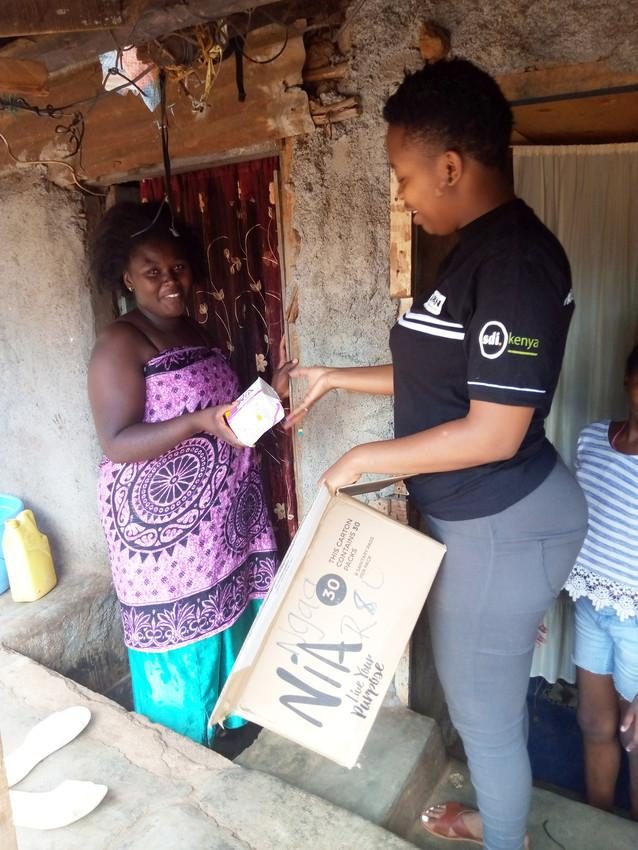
629	727
280	377
345	471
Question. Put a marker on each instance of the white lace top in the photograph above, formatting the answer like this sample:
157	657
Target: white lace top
606	570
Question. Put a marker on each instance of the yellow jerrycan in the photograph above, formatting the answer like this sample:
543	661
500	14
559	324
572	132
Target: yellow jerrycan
28	559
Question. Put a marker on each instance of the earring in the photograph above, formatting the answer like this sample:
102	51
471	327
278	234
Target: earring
438	192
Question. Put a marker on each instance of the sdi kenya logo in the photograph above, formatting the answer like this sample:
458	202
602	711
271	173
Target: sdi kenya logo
495	339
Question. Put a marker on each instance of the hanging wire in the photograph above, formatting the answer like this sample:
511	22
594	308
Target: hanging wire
51	162
152	224
75	128
166	157
75	131
168	188
241	36
204	41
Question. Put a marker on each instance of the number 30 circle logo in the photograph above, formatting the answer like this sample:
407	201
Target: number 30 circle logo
331	589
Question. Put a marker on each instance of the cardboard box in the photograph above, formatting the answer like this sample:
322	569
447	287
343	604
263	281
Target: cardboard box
255	411
324	647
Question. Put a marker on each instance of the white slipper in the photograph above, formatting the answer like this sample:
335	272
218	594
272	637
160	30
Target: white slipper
70	801
52	733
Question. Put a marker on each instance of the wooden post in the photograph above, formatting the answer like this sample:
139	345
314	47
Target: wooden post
289	246
400	244
8	840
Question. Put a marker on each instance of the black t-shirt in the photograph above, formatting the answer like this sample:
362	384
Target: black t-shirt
494	329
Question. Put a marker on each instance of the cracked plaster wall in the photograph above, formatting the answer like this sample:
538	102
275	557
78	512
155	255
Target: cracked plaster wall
341	183
48	451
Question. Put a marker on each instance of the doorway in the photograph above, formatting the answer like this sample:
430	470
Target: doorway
239	299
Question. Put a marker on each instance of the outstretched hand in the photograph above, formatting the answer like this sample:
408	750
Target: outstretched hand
319	383
629	727
281	375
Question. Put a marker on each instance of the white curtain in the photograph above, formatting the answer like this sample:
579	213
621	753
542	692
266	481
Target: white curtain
588	196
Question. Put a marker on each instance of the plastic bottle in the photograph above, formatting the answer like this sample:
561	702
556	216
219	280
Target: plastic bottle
28	559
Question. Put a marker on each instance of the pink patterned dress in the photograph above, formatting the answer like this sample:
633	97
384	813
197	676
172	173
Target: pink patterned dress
189	533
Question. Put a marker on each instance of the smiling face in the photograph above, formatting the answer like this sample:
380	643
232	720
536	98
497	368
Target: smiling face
160	277
427	178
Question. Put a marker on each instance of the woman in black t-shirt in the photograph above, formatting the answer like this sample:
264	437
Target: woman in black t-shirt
474	368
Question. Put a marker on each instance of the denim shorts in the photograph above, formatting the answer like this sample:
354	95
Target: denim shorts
608	646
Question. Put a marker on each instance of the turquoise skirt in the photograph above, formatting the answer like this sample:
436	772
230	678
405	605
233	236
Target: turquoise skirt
179	687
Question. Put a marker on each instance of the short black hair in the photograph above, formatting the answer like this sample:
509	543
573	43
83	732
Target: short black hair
631	366
454	103
126	226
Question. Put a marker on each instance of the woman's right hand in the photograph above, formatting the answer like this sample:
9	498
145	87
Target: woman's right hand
320	381
212	420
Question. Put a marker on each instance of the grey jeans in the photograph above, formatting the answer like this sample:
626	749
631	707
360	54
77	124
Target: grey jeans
499	576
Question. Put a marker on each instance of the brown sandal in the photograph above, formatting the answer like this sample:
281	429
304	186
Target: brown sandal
449	824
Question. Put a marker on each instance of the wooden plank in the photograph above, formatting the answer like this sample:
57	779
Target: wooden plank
290	245
23	77
592	120
327	72
37	17
564	79
122	138
66	52
166	16
400	244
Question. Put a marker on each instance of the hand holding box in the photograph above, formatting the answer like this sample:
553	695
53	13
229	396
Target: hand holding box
255	411
321	653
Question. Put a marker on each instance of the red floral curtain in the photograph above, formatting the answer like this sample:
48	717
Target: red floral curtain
233	208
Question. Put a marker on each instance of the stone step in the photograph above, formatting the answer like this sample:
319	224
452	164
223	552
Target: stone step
399	768
403	769
165	792
74	630
555	821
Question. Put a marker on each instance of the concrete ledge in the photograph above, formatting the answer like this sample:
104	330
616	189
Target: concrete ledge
74	630
164	790
401	764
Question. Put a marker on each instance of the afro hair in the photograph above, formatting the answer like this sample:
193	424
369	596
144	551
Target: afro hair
457	105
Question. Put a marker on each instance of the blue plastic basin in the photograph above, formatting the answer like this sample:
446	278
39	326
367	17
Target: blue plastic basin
10	507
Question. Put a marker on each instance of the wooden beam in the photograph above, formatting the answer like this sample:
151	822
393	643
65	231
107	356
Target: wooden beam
326	72
331	113
166	16
37	17
122	140
400	244
23	77
547	83
590	120
66	52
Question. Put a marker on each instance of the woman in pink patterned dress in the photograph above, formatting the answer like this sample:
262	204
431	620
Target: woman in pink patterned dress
182	504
